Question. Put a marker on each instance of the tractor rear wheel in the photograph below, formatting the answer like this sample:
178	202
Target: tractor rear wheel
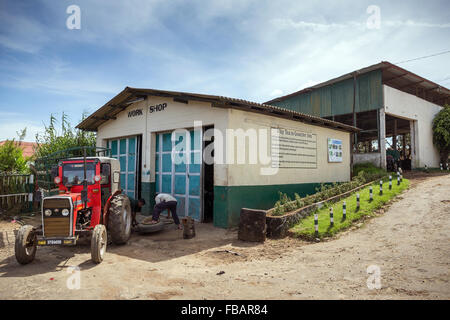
119	219
98	243
25	246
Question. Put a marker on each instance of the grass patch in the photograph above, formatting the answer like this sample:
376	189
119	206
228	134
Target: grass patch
305	228
326	191
368	168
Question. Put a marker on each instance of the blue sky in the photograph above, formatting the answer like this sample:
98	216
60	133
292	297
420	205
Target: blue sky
249	49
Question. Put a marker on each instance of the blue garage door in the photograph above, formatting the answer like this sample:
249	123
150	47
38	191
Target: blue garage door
181	178
125	150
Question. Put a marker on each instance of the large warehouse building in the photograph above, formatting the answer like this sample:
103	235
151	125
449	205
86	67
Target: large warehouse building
165	142
393	107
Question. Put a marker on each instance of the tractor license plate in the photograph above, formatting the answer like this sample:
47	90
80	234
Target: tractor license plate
54	242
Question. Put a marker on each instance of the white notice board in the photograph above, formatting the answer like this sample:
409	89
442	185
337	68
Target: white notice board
334	150
293	149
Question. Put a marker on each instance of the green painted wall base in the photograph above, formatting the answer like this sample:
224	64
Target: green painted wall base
148	194
228	201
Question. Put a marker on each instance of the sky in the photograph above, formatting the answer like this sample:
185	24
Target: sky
249	49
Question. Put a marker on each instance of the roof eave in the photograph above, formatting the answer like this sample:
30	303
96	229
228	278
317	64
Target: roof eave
96	119
382	65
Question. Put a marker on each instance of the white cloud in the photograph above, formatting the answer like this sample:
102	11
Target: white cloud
9	128
411	23
276	93
314	26
287	23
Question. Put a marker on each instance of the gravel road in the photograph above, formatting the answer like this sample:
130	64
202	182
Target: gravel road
408	242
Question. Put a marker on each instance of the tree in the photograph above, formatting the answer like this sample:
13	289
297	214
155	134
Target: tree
51	140
11	155
441	132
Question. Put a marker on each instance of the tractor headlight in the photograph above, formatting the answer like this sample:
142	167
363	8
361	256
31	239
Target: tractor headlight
65	212
48	212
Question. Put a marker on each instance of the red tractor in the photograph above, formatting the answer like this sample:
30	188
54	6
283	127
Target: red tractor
90	203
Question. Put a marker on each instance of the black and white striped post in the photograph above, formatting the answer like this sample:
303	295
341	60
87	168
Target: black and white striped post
447	166
381	187
331	217
390	182
398	180
357	202
344	210
440	165
316	225
371	193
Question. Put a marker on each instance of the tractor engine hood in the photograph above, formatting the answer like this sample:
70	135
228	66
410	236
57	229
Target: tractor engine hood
74	197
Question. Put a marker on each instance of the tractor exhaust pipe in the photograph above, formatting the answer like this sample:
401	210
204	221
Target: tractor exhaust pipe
84	193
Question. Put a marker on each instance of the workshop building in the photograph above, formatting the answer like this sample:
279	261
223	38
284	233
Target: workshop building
165	142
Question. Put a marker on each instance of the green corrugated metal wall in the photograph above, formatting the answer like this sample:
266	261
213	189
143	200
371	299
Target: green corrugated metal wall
337	98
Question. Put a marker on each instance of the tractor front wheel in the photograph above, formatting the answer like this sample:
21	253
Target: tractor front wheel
119	219
25	246
98	243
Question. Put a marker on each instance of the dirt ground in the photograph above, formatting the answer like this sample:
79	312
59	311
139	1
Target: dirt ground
409	242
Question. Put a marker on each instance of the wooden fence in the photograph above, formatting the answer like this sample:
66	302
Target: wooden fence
16	190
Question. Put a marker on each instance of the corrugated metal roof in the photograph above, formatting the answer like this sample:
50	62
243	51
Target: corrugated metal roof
119	103
392	75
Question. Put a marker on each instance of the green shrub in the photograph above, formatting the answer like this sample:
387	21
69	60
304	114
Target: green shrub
299	202
368	168
441	132
283	198
290	206
11	158
278	210
364	173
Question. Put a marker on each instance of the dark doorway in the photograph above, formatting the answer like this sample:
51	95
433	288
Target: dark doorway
208	176
138	167
398	141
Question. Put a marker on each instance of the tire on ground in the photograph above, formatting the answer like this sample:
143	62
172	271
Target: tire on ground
149	228
119	219
98	243
25	246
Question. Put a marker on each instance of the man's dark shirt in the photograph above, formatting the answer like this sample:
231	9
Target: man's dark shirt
134	205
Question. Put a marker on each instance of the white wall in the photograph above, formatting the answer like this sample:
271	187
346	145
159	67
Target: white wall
404	105
372	157
179	115
249	174
176	115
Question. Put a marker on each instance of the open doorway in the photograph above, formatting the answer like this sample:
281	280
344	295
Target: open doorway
398	142
208	175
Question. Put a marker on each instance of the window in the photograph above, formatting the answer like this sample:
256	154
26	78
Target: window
105	173
73	173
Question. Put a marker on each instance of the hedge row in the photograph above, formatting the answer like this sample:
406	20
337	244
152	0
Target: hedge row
286	204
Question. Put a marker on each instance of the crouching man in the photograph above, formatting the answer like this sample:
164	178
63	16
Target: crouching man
163	202
136	206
